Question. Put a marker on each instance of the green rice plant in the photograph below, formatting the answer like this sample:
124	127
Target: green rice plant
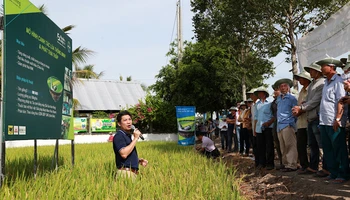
173	172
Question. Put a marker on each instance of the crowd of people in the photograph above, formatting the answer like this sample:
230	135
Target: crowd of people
315	118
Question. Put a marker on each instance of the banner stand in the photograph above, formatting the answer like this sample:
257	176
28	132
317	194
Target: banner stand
55	157
2	167
35	157
73	154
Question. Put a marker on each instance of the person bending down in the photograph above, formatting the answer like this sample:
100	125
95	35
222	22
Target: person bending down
207	148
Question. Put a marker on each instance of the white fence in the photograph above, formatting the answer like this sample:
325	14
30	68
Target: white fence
81	139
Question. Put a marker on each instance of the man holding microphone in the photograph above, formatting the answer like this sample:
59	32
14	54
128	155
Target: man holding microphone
124	147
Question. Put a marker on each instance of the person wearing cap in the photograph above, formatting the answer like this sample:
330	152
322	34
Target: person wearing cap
304	80
223	133
276	142
286	126
263	130
245	119
231	122
311	107
332	122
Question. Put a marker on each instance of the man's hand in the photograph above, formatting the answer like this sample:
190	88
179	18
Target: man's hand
266	124
137	133
296	110
336	125
143	162
345	100
347	85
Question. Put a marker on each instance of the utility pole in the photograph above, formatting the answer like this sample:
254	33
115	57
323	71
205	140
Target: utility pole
179	31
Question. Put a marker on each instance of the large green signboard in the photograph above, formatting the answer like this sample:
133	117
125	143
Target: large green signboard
37	75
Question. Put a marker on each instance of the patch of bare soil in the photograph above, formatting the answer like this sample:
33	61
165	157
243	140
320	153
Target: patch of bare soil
274	184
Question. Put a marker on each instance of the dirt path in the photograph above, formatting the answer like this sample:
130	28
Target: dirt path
273	184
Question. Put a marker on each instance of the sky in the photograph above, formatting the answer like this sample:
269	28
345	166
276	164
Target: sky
130	38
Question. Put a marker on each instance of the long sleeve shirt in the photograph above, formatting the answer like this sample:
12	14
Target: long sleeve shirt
262	114
302	119
313	99
285	118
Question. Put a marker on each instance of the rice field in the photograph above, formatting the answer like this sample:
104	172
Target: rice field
173	172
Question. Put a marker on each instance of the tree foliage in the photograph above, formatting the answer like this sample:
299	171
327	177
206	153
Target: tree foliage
153	115
265	27
87	72
207	77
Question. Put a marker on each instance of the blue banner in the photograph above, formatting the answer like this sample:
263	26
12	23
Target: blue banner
186	124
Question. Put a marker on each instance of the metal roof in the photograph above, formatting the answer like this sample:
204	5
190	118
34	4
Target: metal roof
97	94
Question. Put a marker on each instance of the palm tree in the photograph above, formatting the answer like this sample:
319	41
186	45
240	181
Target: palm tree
87	72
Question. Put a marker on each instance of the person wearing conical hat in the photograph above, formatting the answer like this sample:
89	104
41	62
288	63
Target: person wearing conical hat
311	107
304	79
263	130
286	126
332	122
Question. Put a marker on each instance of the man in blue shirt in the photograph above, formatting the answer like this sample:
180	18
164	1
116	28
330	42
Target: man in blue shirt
124	147
286	125
332	122
263	130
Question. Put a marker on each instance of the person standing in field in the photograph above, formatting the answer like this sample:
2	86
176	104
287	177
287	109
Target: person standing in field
302	135
263	130
286	125
126	157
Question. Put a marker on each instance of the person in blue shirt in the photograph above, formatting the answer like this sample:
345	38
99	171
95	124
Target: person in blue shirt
286	125
126	158
333	121
263	130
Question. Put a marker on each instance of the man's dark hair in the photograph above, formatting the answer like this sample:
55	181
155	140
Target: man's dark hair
199	134
121	114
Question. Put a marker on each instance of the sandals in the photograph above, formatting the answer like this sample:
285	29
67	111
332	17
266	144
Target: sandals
305	171
338	181
288	170
321	173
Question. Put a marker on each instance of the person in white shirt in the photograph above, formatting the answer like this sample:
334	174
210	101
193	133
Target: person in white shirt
207	148
223	133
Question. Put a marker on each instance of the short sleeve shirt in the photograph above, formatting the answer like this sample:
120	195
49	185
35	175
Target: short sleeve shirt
120	141
208	144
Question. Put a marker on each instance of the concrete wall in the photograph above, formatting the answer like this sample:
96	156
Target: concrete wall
81	139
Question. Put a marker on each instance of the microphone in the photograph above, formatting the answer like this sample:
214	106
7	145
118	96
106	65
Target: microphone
132	131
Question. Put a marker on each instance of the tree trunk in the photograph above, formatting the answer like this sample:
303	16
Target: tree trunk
292	46
244	87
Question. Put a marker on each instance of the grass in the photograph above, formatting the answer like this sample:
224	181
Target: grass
174	172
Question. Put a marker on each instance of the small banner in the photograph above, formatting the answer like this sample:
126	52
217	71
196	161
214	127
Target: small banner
102	125
80	125
186	122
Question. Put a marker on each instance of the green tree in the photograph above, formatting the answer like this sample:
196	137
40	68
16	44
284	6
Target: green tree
206	77
87	72
144	112
240	30
294	18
